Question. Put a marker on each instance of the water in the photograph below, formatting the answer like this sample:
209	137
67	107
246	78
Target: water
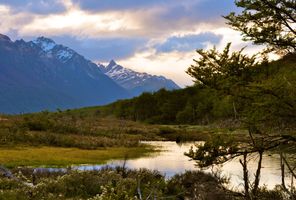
171	160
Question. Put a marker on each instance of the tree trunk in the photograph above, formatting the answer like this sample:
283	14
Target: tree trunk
244	163
257	175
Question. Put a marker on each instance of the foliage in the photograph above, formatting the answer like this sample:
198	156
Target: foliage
117	184
274	98
223	70
192	105
216	150
265	102
269	22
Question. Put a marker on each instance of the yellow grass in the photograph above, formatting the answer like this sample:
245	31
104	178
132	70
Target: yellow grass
56	156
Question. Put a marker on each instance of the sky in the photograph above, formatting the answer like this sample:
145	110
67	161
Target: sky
154	36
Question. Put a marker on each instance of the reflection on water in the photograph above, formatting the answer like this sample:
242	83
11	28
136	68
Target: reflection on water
270	171
171	160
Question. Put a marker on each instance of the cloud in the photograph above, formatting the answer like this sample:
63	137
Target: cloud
35	6
127	18
213	9
205	8
83	24
161	17
107	5
198	11
172	64
235	37
188	42
103	50
11	23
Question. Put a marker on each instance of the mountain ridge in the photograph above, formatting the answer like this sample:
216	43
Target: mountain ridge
42	75
136	82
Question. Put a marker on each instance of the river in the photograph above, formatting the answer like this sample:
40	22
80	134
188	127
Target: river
171	160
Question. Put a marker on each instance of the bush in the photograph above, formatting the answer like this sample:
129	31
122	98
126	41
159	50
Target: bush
116	184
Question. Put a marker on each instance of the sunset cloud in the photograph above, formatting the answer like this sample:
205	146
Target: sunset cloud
81	23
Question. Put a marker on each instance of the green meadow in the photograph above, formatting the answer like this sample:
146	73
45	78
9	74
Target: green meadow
62	157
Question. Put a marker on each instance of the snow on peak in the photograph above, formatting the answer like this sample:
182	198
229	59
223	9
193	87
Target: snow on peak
51	49
64	55
136	82
124	75
45	44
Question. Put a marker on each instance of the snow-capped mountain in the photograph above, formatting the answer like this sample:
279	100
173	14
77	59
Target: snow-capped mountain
51	49
42	75
136	82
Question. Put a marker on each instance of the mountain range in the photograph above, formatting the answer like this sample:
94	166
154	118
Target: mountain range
136	82
42	75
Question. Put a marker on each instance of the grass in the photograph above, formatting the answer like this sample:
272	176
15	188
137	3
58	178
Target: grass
84	136
56	156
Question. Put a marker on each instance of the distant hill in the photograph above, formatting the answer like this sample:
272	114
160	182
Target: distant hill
136	82
42	75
